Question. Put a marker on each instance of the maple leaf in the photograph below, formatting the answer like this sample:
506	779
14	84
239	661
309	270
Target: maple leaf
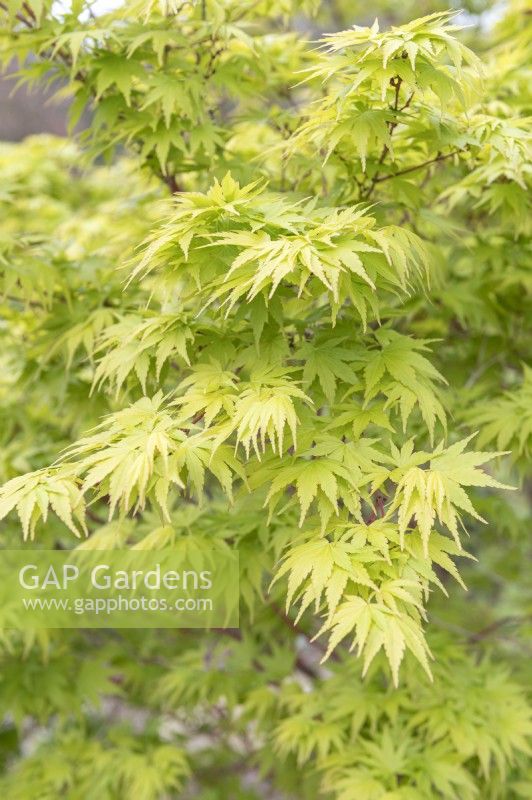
436	491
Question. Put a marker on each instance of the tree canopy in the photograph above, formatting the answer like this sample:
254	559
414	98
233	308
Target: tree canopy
273	294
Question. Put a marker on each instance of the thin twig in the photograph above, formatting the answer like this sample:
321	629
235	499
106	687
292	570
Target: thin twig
416	167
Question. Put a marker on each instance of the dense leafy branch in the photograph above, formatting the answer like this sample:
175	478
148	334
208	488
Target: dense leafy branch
261	319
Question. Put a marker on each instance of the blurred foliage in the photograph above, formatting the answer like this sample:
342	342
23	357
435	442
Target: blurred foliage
276	297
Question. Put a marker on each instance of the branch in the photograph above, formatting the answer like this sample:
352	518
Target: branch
235	634
32	303
495	626
95	518
396	83
21	18
418	166
172	183
65	59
